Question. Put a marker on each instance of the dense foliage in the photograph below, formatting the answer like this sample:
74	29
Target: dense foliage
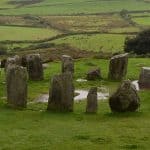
140	44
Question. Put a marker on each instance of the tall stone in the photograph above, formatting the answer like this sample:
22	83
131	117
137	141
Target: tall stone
34	67
144	79
24	61
61	94
67	64
16	81
16	60
118	67
125	98
92	103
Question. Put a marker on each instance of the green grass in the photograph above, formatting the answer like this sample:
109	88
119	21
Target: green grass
34	128
96	42
75	7
142	21
25	33
130	29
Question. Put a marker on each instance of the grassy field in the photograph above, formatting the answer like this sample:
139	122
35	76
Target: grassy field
142	21
73	7
87	23
96	42
34	128
25	33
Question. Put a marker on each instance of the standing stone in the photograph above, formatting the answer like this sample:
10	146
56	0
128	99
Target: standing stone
125	98
3	63
94	74
34	67
144	79
24	61
67	64
16	60
118	67
61	94
16	81
92	103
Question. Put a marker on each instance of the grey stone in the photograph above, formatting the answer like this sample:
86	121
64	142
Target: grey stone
34	67
92	102
16	60
16	82
94	74
118	67
67	64
144	79
61	94
125	98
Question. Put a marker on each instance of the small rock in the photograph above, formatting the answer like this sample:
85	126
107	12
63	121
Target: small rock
94	74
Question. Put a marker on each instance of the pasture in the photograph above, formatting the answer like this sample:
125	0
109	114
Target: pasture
25	33
51	7
97	42
39	129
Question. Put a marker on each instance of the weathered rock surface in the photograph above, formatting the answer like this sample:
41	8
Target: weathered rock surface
125	98
16	81
61	94
34	67
16	60
92	103
118	67
24	61
144	79
93	74
67	64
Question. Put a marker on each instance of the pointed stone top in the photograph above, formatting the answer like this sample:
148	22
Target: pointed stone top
120	56
146	68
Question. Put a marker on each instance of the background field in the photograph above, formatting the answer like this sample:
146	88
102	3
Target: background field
96	42
81	24
25	33
72	7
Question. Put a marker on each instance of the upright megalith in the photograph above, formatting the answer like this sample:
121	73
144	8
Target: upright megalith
16	82
125	98
61	94
118	67
34	67
92	103
67	64
144	79
16	60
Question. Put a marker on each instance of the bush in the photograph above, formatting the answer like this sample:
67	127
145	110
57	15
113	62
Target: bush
140	44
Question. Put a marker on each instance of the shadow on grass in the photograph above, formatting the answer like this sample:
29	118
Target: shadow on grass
123	114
